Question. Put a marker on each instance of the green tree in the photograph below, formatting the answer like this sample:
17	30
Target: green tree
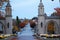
17	21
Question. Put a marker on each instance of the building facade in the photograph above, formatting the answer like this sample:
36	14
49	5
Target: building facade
47	25
5	17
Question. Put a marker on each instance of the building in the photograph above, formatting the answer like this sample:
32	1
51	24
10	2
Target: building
47	25
5	17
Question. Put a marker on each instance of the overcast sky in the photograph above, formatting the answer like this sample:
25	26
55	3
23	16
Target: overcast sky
29	8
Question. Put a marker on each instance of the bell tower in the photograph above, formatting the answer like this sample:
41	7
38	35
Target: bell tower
8	9
41	18
8	18
41	8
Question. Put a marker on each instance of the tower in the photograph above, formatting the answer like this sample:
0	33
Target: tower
41	18
8	18
0	3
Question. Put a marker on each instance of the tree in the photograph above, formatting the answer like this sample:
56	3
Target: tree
34	18
17	22
32	24
54	14
22	24
52	0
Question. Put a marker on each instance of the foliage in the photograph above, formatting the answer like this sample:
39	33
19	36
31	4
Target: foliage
53	14
32	24
22	24
34	18
50	28
15	28
52	0
25	21
17	24
17	21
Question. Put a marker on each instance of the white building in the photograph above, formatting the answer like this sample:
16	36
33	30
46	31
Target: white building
47	25
5	17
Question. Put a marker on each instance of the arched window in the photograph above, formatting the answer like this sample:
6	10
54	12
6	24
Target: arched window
41	24
8	25
1	28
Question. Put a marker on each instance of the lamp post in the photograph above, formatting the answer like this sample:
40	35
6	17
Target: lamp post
53	0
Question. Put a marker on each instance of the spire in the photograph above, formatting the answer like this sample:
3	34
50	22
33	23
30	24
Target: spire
41	4
40	1
41	8
0	3
8	4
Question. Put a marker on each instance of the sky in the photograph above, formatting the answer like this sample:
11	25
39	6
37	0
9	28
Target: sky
29	8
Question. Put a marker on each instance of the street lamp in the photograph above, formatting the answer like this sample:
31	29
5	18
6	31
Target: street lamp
53	0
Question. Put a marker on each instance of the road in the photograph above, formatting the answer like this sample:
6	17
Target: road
26	34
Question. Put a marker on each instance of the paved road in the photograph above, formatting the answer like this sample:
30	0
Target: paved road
26	38
26	34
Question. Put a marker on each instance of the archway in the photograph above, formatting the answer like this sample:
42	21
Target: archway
51	28
1	28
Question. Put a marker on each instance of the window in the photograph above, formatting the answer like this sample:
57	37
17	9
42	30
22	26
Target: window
8	25
1	28
41	24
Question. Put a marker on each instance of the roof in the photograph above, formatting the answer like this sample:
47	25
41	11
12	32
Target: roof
53	17
8	4
41	5
2	18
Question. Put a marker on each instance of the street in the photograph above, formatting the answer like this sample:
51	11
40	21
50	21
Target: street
26	34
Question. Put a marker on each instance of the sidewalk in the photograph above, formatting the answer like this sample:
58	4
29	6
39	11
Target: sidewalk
12	38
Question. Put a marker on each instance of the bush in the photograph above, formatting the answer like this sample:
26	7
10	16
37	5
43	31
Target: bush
32	24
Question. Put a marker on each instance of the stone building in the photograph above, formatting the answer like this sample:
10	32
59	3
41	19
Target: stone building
5	17
47	24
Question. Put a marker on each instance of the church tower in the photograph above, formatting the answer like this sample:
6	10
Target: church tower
0	3
41	18
8	18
